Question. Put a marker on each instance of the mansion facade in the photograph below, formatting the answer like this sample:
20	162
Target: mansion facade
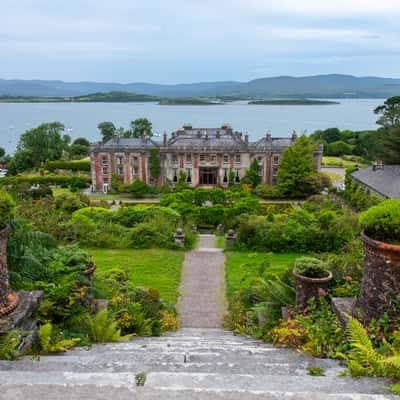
207	156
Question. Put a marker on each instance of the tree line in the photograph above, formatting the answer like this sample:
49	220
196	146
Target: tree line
382	144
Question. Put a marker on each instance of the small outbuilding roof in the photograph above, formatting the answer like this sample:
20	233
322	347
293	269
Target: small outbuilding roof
384	180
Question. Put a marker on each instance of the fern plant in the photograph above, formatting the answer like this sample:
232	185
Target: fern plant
102	328
9	344
364	360
52	342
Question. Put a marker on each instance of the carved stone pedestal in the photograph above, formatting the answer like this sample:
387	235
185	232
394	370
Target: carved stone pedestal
23	318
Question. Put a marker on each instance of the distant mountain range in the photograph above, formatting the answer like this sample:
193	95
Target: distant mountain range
318	86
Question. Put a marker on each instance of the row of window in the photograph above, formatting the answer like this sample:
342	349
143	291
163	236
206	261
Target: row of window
212	158
203	157
206	157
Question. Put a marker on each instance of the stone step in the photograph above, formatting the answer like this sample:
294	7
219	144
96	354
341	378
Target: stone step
104	392
183	348
272	357
243	383
86	364
248	382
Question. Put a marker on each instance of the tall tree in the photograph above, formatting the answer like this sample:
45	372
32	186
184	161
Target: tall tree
81	142
390	112
389	148
295	167
107	130
45	142
140	127
252	175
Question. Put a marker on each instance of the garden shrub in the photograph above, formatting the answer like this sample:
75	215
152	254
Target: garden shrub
53	342
382	222
316	331
310	267
103	328
9	343
7	209
132	215
268	191
138	189
156	233
70	202
47	180
301	231
81	165
94	214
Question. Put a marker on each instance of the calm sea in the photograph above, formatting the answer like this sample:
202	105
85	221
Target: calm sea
82	119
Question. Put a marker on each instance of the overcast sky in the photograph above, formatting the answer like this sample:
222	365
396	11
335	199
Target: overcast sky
171	41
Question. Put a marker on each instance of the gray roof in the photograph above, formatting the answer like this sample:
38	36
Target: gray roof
385	181
121	143
209	138
272	143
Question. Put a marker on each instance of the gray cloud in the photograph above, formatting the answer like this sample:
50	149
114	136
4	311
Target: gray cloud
192	40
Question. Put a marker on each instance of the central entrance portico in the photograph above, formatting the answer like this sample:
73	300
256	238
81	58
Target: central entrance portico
208	175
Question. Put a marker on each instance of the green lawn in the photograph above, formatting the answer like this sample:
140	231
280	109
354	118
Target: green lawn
236	267
149	268
220	242
339	162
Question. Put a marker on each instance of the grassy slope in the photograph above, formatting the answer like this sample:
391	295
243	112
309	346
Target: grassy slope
149	268
339	162
236	269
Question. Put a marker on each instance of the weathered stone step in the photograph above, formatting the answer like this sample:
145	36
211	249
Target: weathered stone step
78	364
272	357
102	392
183	348
266	383
210	382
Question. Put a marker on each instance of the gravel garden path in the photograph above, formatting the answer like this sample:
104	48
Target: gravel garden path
202	303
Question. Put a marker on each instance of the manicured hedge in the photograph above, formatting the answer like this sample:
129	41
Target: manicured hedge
83	165
66	181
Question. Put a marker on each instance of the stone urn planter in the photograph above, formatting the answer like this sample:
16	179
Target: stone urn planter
380	286
311	280
8	298
381	278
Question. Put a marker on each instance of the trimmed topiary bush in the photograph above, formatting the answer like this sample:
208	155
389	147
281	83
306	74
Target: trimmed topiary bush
382	222
7	209
310	267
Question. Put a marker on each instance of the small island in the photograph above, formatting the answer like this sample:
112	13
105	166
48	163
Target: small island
189	101
109	97
292	102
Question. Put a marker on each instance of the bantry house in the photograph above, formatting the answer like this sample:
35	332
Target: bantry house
207	156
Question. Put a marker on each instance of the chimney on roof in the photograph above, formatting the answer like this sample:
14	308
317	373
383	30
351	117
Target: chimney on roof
269	136
165	139
246	137
294	136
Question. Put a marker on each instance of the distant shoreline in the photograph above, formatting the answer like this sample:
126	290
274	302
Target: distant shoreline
293	102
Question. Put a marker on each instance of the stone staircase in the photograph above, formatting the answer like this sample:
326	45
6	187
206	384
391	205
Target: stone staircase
199	364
